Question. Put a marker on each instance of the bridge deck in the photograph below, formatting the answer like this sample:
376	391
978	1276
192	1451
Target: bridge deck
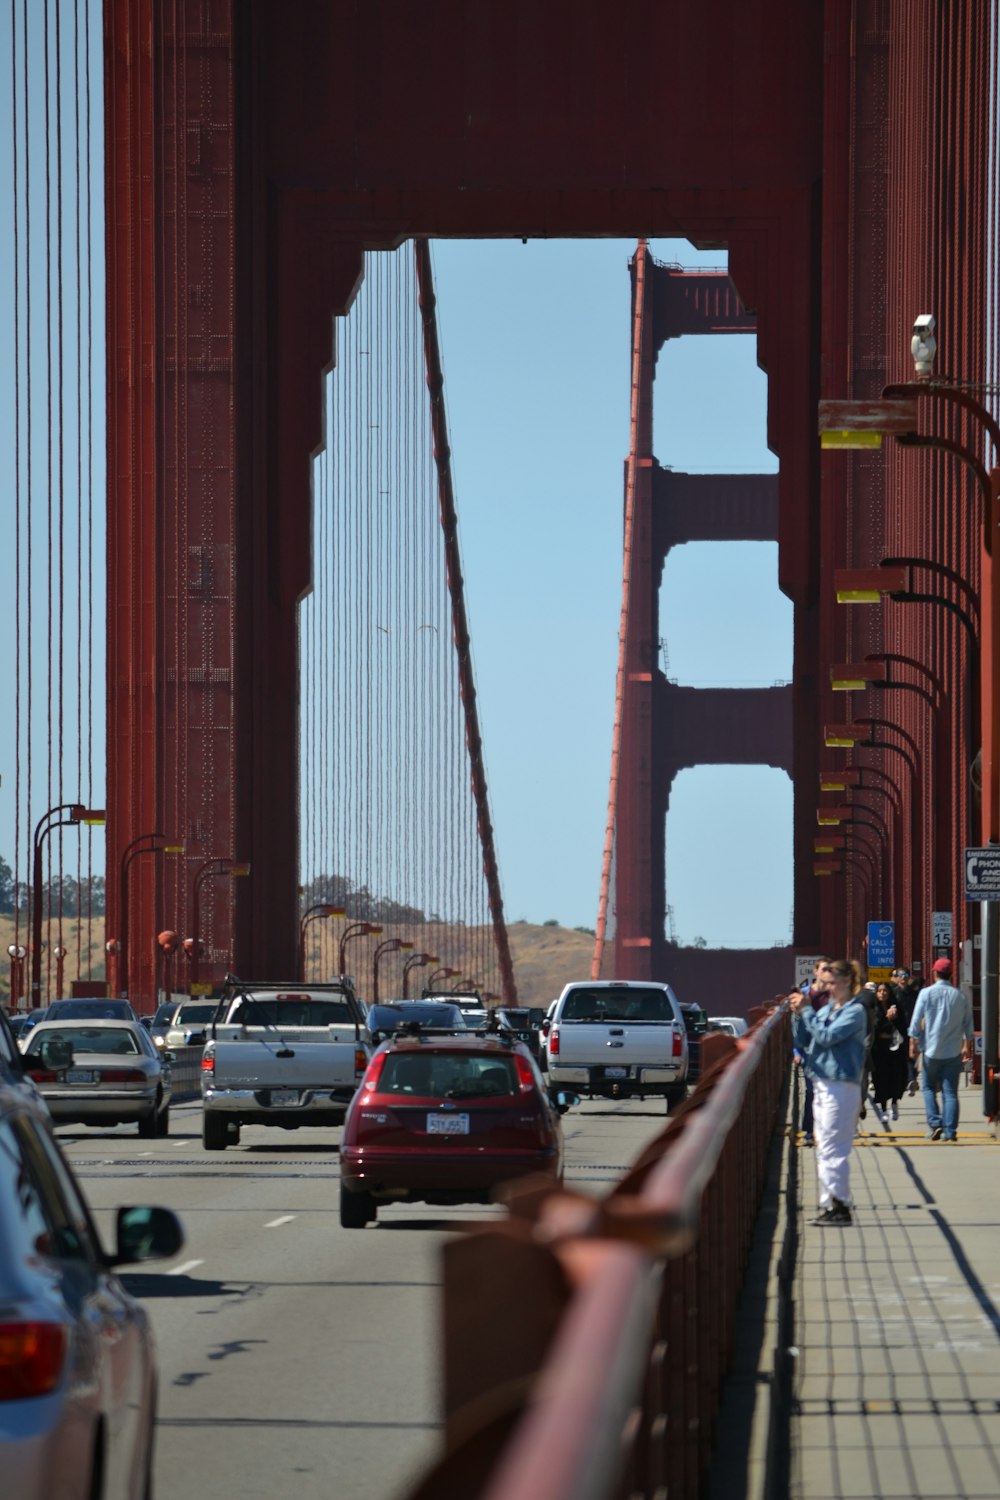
893	1323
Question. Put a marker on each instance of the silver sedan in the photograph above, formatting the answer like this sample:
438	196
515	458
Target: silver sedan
100	1073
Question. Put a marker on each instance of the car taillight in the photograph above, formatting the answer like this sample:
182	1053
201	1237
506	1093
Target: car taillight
31	1359
370	1081
123	1075
554	1042
208	1062
42	1075
677	1044
360	1061
525	1077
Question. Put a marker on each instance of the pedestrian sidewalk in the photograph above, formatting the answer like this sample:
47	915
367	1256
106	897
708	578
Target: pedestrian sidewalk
895	1320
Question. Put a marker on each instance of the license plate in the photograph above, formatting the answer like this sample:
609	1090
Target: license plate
80	1075
616	1072
447	1124
284	1098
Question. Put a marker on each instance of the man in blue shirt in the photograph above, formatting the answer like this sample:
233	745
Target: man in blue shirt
942	1022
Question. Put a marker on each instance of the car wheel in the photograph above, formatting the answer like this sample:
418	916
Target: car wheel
214	1133
356	1209
163	1121
147	1125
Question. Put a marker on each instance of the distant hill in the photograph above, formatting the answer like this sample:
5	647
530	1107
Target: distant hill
545	958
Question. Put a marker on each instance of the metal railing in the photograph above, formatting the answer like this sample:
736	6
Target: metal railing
586	1340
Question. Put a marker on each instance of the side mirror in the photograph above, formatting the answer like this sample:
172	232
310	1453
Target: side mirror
565	1100
56	1052
168	1057
197	1038
146	1234
146	1021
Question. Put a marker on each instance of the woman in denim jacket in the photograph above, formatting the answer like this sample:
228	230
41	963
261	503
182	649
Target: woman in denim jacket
832	1044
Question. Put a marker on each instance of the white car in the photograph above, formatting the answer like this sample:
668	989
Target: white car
733	1025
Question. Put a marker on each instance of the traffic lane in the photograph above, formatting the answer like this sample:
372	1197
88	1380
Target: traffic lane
293	1359
295	1354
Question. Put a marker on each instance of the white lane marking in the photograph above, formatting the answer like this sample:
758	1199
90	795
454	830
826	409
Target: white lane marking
180	1141
285	1219
145	1153
188	1265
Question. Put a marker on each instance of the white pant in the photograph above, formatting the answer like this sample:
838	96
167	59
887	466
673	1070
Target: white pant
836	1107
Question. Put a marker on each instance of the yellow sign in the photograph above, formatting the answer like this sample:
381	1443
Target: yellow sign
199	988
846	438
880	975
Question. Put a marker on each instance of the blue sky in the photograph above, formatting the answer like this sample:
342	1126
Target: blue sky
536	353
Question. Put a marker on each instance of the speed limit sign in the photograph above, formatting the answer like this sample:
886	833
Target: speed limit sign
941	929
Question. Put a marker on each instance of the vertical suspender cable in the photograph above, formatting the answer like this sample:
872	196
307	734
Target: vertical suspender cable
449	523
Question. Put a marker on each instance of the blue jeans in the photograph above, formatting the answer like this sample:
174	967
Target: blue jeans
941	1075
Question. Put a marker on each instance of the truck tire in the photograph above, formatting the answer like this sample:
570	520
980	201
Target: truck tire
356	1209
214	1133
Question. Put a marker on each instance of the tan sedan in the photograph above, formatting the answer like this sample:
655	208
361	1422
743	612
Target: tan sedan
101	1073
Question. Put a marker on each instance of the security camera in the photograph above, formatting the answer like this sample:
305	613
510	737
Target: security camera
923	345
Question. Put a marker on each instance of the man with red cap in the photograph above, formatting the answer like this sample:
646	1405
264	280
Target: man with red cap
942	1024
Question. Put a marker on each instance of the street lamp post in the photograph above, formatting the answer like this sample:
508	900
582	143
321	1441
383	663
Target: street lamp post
143	843
320	910
17	952
354	930
415	961
442	974
49	820
390	945
210	868
896	413
860	731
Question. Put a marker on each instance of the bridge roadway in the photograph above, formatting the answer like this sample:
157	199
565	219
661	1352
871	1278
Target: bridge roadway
896	1321
298	1358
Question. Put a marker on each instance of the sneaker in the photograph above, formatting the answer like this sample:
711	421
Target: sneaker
807	1140
823	1217
951	1139
935	1134
911	1087
840	1213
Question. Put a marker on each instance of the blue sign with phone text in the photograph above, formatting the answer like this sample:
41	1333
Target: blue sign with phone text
881	945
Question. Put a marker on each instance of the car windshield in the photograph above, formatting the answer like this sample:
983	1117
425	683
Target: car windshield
89	1010
617	1005
388	1017
189	1013
165	1013
114	1042
448	1075
292	1013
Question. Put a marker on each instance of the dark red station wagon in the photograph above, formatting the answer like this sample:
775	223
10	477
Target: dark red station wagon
444	1119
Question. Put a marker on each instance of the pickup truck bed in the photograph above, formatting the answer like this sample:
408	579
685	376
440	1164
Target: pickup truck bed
282	1054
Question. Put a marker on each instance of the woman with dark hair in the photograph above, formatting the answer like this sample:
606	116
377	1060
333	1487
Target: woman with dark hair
832	1043
889	1054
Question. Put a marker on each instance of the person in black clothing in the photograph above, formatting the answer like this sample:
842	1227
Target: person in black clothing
889	1072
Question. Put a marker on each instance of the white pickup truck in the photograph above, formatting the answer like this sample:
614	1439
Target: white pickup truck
618	1038
285	1054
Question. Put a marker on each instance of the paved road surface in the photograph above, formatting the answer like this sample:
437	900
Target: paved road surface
298	1358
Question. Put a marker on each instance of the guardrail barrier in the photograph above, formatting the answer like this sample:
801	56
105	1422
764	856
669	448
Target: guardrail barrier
586	1340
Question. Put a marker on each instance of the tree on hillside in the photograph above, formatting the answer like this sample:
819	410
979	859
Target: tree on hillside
6	886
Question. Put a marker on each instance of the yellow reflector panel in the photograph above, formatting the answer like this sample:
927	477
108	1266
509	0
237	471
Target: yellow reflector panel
845	438
849	685
859	596
834	742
